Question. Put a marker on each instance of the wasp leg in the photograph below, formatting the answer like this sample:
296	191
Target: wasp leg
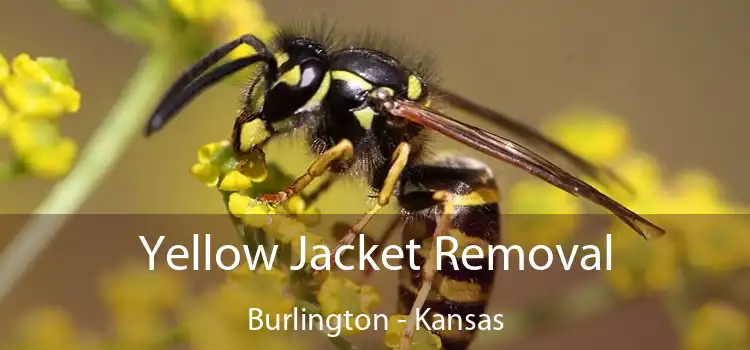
341	152
398	163
430	266
324	186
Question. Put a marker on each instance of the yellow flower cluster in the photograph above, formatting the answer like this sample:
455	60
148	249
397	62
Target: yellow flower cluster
338	295
138	301
150	310
540	214
642	267
218	320
215	161
36	93
702	231
717	325
231	18
217	167
49	328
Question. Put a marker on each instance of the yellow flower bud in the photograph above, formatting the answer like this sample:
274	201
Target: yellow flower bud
53	161
206	152
206	173
286	229
200	11
311	240
280	277
44	69
338	295
258	215
235	181
239	273
42	87
310	217
27	135
295	205
41	99
238	204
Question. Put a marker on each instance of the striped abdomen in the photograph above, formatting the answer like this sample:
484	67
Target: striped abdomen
457	291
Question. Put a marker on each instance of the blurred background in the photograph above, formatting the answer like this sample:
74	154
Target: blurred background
675	71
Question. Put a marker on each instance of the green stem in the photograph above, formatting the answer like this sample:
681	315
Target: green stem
101	154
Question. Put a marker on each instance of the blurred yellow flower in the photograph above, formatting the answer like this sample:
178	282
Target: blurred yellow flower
219	319
244	17
339	295
717	243
311	240
38	144
215	162
717	326
285	229
698	192
47	328
538	197
540	214
423	339
4	69
138	299
642	171
42	87
596	136
199	10
6	117
38	91
230	18
642	267
298	207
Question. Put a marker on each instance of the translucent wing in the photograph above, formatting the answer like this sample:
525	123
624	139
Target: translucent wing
534	137
519	156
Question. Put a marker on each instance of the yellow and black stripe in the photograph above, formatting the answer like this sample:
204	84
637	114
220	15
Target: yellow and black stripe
474	202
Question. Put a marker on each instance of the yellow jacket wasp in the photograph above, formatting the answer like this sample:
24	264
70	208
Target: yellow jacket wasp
365	113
